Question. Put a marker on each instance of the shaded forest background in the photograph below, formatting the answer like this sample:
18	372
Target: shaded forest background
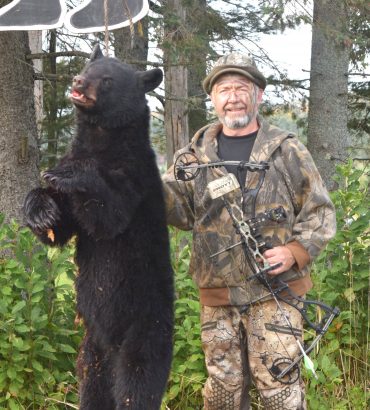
329	110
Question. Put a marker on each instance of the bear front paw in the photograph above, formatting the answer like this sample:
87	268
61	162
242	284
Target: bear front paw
40	210
61	179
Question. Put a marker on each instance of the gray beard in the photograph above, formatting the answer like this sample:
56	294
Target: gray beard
236	123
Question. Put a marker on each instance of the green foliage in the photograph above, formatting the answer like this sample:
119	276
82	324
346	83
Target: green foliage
288	117
358	121
284	14
57	126
341	277
359	32
188	369
38	342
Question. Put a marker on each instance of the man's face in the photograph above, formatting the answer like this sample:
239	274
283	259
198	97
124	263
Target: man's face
236	100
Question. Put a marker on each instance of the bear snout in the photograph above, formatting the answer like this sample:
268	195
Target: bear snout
83	94
78	81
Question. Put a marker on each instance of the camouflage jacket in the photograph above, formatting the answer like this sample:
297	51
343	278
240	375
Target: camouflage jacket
292	181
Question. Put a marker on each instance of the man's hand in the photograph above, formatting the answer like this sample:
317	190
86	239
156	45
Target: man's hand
279	254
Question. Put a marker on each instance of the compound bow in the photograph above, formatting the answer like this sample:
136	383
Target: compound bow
186	168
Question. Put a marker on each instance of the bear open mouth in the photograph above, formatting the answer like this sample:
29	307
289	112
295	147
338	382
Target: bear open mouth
78	98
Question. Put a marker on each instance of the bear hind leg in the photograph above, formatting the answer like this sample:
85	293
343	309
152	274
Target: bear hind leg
140	382
94	371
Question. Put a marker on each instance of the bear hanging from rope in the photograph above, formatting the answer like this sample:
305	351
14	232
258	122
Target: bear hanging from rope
107	192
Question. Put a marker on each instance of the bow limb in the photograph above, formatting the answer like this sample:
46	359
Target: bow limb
305	352
294	301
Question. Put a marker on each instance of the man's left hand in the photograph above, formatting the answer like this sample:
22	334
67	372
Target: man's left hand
279	254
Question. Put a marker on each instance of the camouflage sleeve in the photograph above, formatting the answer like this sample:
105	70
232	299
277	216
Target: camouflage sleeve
315	222
179	201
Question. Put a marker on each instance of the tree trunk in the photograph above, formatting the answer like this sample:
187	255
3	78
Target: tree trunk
18	132
197	69
176	78
132	50
328	136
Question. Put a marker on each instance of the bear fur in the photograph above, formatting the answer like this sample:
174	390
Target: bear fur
107	192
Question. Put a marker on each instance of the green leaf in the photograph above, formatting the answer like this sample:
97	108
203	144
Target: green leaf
11	264
13	405
47	347
349	294
174	391
17	342
14	388
47	355
22	328
333	346
11	372
19	306
39	287
66	348
6	290
19	357
36	314
37	366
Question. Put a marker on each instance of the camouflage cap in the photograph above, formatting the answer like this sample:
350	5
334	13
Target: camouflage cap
238	64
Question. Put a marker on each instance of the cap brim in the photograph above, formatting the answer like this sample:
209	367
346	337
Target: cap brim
215	74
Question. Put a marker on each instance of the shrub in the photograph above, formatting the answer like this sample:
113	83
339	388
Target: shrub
341	277
188	369
38	341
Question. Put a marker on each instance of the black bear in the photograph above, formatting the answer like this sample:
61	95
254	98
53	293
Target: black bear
107	192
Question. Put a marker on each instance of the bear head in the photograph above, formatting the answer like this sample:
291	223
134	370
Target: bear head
111	94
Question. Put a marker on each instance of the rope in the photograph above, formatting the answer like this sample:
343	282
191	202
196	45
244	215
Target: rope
129	16
127	12
106	32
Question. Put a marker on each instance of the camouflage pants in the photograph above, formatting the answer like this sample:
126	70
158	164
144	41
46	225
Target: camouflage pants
239	349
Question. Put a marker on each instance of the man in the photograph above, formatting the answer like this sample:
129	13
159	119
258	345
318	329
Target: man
245	220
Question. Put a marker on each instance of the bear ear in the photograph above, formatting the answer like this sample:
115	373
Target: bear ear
96	53
150	79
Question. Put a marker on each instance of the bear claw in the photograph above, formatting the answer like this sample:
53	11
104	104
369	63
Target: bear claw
61	180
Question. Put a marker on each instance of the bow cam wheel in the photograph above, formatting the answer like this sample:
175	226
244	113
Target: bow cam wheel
186	167
279	365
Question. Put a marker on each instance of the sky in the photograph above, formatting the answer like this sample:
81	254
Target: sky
291	51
